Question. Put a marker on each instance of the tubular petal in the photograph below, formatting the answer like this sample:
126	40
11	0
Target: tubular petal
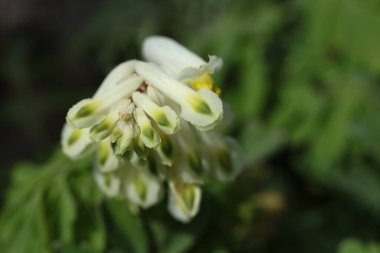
148	134
106	159
75	142
108	183
201	108
184	200
142	188
169	54
166	119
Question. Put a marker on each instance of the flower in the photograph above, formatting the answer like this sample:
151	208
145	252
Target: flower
152	122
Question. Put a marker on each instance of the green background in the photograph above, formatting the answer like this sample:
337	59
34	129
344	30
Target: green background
301	76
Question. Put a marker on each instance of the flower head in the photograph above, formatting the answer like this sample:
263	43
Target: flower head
147	124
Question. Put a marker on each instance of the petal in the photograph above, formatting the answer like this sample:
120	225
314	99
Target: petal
169	55
153	94
225	155
105	127
200	108
106	159
214	64
214	104
116	76
123	143
139	148
230	160
189	165
184	200
165	151
148	134
88	112
85	113
166	119
195	168
108	183
75	142
142	188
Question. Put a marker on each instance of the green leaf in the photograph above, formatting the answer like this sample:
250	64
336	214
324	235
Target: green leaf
250	98
129	226
170	240
179	243
353	245
259	141
67	210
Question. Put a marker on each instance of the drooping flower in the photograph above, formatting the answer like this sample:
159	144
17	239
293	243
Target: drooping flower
152	122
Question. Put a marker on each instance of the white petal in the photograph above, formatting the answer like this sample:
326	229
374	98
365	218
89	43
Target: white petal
165	151
199	119
170	55
189	164
230	160
116	76
184	200
108	183
139	148
106	159
153	94
200	108
214	64
88	112
148	134
166	119
85	113
75	142
105	127
225	155
142	188
124	141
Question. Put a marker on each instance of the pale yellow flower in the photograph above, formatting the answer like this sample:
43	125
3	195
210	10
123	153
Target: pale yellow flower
149	123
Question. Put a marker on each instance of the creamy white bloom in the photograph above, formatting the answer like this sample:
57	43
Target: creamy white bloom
152	122
109	183
142	188
184	200
106	160
75	142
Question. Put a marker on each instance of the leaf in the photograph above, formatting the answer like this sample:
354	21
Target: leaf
249	99
331	142
129	226
97	235
353	245
259	142
67	211
179	243
170	240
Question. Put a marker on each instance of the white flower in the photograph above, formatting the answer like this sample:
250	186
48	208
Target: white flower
184	200
75	142
142	187
109	183
147	123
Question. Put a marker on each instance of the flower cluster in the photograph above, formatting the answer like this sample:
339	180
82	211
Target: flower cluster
152	122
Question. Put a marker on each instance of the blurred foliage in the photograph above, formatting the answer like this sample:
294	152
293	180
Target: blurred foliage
302	78
355	246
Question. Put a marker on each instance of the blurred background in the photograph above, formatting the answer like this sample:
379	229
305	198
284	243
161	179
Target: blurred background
302	78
